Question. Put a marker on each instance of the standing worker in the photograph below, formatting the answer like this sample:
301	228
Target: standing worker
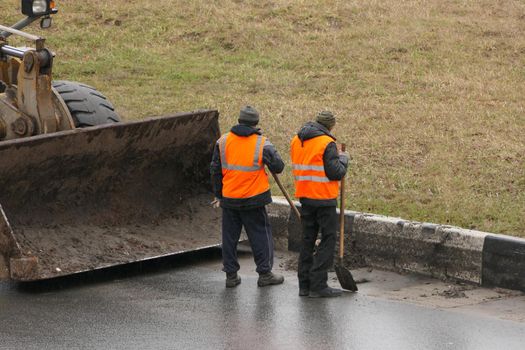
242	190
317	167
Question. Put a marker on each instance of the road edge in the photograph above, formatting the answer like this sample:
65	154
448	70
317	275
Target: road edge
439	251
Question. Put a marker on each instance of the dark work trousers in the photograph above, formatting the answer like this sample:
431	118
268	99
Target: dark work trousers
313	269
257	226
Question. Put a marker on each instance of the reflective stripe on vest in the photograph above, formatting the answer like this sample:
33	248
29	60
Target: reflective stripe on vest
243	174
308	169
312	178
224	162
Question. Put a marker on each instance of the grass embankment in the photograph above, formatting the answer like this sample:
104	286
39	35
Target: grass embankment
429	94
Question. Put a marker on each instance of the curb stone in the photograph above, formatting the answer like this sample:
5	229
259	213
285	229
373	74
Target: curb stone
439	251
504	262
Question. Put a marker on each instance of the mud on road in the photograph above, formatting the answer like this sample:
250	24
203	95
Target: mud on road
423	291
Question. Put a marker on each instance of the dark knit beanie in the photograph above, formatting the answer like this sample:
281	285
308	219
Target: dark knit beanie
249	116
326	118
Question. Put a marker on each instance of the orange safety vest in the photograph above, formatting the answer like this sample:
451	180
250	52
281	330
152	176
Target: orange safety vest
243	174
308	169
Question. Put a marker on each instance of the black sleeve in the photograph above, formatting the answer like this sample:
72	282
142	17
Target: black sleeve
216	172
272	158
335	165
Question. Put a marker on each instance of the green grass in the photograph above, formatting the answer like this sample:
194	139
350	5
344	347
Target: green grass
429	94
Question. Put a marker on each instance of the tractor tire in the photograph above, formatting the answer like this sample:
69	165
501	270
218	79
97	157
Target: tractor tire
87	105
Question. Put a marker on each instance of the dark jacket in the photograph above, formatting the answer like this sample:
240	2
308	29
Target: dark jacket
271	159
335	164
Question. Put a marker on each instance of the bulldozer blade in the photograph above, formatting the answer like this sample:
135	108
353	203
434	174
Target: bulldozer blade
91	198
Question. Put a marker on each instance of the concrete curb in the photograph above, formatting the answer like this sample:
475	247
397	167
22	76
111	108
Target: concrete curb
439	251
504	262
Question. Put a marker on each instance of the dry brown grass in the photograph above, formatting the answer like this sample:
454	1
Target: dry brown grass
429	94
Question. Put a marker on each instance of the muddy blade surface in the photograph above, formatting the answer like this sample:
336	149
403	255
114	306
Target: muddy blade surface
97	197
345	277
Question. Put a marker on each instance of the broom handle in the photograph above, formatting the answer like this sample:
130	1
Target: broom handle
283	190
342	214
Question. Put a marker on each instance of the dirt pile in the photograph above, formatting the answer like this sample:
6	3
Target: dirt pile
67	248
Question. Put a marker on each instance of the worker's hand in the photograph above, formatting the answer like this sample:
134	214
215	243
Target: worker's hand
216	203
344	158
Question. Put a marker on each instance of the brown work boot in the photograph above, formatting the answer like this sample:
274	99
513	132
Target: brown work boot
232	280
269	278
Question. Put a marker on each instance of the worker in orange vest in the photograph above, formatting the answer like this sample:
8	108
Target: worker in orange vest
242	190
317	168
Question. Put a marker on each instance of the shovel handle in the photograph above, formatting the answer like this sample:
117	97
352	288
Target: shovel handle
342	214
285	193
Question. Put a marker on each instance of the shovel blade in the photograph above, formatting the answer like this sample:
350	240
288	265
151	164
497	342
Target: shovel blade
345	278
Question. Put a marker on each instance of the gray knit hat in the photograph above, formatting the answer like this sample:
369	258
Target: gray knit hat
326	118
249	116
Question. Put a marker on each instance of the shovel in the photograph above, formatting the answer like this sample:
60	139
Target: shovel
343	274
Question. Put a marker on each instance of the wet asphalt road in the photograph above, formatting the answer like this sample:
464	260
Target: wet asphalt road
183	304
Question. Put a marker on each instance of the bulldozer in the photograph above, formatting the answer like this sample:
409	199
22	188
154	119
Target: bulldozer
80	189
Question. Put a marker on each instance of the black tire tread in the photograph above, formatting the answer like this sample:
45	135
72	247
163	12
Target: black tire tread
87	105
